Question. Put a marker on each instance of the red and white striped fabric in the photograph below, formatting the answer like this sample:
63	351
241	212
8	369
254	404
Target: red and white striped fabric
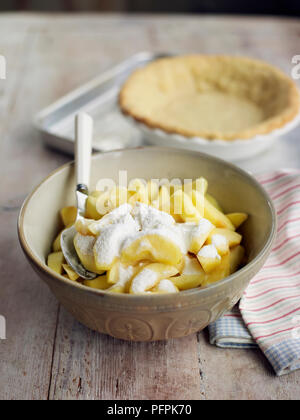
270	307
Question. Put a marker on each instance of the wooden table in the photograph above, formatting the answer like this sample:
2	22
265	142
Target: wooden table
47	354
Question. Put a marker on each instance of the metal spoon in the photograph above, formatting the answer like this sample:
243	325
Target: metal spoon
83	151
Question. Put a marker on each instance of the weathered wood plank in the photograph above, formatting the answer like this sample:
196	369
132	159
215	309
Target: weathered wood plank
30	313
242	374
26	354
88	365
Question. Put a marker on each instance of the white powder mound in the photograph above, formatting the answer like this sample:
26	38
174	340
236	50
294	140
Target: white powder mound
173	235
145	280
115	216
219	241
203	228
149	218
185	230
109	243
124	225
85	244
188	231
167	286
125	274
209	251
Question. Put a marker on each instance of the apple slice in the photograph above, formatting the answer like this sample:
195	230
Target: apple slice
209	258
82	226
220	242
157	245
84	248
108	245
164	199
232	237
192	275
199	235
165	286
91	206
221	271
55	262
237	219
150	276
99	283
68	215
236	258
72	275
182	205
214	202
216	217
56	243
115	216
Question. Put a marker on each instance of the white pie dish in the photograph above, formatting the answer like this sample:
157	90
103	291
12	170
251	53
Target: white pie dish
234	150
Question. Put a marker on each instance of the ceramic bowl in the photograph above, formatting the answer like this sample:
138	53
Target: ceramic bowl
156	317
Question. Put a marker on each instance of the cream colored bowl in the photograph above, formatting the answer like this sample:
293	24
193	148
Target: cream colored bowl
159	317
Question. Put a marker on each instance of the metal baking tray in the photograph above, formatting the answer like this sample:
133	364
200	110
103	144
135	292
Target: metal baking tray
99	98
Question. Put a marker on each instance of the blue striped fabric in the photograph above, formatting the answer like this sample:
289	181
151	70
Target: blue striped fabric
231	332
284	356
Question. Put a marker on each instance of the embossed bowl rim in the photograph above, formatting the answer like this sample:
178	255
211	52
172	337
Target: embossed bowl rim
150	299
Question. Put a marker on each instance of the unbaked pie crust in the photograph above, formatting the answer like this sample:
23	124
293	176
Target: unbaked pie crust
213	97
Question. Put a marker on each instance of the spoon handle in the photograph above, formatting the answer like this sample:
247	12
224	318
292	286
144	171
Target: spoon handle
83	150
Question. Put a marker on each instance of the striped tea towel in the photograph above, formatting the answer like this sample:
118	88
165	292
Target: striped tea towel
268	314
